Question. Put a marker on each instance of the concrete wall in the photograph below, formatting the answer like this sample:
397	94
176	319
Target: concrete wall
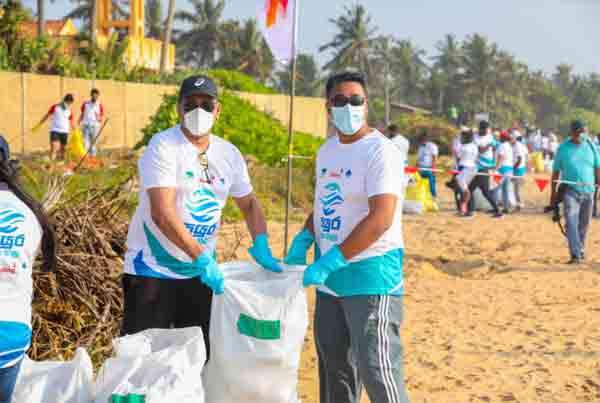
25	98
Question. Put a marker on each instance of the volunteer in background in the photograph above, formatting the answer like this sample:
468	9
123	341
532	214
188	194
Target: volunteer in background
452	184
400	141
357	224
553	147
60	127
186	175
485	164
504	166
24	226
520	154
427	154
577	160
90	120
545	146
467	166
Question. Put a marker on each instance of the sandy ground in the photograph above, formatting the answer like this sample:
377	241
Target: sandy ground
492	312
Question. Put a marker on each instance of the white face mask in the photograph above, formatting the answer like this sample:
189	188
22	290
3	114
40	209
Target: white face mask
198	122
348	119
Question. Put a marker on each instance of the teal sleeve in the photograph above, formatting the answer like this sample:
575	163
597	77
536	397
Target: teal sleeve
557	160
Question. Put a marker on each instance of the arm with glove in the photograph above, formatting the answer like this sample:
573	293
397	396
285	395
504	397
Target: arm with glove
381	215
257	225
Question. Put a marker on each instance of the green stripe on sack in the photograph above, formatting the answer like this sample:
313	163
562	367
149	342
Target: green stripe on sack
130	398
259	329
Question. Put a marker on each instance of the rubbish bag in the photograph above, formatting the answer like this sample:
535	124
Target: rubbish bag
418	197
154	366
257	331
75	146
56	381
537	161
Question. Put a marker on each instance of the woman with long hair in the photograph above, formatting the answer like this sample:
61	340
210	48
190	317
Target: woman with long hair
24	227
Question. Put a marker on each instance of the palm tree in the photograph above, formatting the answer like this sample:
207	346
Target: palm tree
244	49
307	76
154	19
167	38
200	43
448	66
410	70
353	43
479	60
384	60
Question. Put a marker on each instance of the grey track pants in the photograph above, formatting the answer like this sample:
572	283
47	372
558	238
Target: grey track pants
358	342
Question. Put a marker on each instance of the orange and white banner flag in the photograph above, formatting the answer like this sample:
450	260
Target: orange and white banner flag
278	21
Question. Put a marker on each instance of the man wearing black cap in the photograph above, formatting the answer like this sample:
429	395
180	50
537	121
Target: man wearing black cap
186	176
577	162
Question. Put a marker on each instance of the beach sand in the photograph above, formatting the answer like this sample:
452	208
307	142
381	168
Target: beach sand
492	312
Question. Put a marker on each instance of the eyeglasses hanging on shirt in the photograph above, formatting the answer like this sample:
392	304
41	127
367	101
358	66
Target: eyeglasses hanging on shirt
203	160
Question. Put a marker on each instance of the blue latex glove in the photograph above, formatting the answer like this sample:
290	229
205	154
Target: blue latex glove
261	252
300	246
210	274
317	273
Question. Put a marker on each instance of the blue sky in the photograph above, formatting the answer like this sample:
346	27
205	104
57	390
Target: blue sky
541	33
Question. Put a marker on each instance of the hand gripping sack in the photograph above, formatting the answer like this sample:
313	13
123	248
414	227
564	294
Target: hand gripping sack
56	381
257	331
154	366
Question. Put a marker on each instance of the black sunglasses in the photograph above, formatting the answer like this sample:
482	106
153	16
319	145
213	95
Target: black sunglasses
342	100
208	106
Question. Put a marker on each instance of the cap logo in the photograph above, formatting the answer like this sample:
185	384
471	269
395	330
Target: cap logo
199	82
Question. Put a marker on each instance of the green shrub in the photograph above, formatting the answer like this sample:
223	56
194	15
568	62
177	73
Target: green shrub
439	130
253	132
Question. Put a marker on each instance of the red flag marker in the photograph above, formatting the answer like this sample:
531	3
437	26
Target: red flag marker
542	183
497	178
410	170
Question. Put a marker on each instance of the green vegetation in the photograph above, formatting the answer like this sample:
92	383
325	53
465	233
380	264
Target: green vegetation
253	132
36	174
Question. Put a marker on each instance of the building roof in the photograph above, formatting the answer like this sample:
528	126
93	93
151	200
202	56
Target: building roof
409	108
52	28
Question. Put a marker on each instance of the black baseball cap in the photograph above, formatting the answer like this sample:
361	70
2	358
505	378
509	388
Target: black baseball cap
198	85
484	125
577	125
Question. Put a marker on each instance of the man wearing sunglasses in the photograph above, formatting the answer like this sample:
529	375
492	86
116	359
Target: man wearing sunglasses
357	226
186	176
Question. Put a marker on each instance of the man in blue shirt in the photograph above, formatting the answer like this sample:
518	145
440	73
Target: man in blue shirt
577	162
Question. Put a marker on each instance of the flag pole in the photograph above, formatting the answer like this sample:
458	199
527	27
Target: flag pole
288	201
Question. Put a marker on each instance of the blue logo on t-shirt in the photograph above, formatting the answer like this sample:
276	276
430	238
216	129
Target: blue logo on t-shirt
9	224
329	203
202	205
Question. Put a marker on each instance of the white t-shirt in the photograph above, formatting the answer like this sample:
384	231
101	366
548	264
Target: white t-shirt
520	150
486	158
172	161
505	154
403	145
545	143
347	176
91	112
20	237
427	152
61	118
468	154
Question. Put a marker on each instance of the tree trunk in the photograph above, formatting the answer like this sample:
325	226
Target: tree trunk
167	37
93	23
387	101
41	17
